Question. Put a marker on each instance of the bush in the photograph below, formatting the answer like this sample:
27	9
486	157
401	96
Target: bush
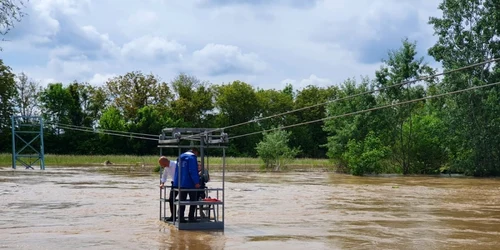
367	156
274	149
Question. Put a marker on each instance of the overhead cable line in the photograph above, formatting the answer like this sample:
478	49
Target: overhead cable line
368	110
108	133
351	96
103	130
143	135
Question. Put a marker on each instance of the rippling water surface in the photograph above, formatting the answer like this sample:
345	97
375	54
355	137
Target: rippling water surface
79	208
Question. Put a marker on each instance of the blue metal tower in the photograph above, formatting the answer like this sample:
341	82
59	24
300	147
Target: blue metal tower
28	131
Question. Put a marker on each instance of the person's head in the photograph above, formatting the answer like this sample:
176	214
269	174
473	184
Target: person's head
195	151
164	162
199	165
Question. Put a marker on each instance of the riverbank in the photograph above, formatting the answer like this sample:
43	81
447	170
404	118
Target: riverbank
243	164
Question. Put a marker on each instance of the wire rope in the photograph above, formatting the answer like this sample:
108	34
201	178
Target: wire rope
368	110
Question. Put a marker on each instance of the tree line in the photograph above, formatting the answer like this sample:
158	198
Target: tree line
458	133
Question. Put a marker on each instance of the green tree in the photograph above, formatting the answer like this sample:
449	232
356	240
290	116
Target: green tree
429	149
93	101
312	137
11	11
238	103
7	95
56	104
112	119
273	102
134	90
468	32
75	107
342	130
150	120
366	156
193	100
274	149
401	66
62	111
26	101
288	90
54	100
81	110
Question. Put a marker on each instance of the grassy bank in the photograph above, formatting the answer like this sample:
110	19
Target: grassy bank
215	163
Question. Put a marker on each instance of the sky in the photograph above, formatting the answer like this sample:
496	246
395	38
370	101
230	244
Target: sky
266	43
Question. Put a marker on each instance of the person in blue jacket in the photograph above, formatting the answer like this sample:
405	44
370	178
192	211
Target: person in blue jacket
187	168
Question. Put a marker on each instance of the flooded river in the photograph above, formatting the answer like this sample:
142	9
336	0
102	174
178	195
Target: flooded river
77	208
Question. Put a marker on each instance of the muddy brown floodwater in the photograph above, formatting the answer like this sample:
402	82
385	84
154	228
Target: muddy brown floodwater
77	208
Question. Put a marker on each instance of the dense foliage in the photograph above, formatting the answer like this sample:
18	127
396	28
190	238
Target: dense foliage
274	149
458	133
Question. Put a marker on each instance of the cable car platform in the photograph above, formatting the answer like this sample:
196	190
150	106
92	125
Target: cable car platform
209	211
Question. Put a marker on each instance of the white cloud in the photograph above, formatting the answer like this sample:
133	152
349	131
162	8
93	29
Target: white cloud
102	41
74	68
261	42
140	21
218	59
100	79
45	17
257	3
312	80
46	81
68	53
152	48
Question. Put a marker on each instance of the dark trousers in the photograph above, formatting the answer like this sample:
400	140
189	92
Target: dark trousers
171	198
200	196
192	197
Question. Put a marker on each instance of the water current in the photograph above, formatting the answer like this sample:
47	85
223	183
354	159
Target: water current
81	208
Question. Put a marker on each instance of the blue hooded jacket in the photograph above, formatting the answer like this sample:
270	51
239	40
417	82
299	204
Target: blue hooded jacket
187	164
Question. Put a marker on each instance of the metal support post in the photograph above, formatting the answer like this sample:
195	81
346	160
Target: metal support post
25	129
